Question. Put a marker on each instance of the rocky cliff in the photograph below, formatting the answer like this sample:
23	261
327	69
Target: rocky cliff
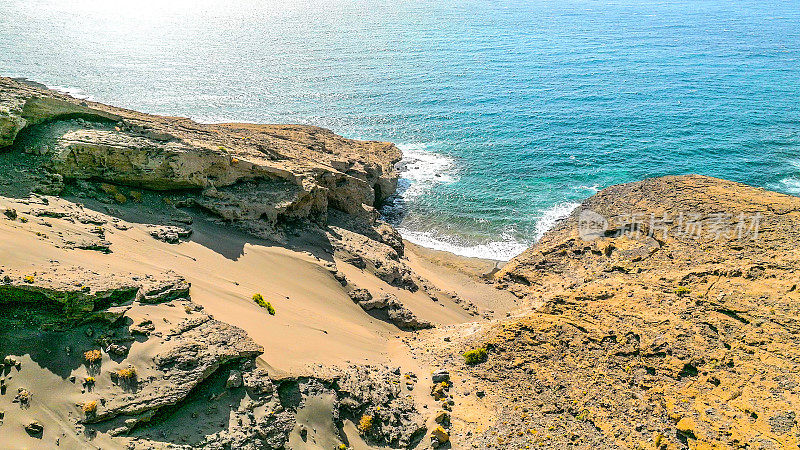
666	316
109	219
243	172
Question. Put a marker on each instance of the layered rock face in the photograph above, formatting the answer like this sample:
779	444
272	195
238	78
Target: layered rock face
666	317
269	173
80	294
264	179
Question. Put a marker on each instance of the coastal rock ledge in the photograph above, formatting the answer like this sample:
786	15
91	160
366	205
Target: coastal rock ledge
666	315
266	174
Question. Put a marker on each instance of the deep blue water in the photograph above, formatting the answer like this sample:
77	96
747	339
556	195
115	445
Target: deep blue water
509	111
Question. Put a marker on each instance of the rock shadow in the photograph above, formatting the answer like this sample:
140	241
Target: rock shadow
205	411
24	330
221	237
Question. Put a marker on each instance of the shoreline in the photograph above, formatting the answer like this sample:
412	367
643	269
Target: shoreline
472	266
339	299
422	239
236	283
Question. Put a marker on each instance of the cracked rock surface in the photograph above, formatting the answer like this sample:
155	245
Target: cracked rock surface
641	340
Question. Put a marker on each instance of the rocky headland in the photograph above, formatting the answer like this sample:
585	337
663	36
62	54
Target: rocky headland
674	325
169	284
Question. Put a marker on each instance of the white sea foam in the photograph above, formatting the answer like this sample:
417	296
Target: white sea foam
422	169
74	92
594	189
790	185
505	248
550	217
502	250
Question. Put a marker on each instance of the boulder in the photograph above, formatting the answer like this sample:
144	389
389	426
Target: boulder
439	436
440	375
234	379
34	428
442	417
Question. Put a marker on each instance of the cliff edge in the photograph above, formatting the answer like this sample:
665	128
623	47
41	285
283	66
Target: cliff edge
244	172
165	283
169	284
666	315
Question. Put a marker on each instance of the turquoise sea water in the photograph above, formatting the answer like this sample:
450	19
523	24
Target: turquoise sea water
508	111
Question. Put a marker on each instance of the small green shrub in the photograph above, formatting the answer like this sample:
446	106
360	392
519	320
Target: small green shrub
109	189
23	396
259	300
681	291
475	356
90	408
92	356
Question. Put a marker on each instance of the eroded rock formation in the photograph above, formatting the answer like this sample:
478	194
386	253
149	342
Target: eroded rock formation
81	294
269	173
663	313
653	332
185	358
135	362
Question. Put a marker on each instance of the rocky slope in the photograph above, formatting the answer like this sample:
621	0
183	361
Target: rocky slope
666	316
147	354
269	180
121	230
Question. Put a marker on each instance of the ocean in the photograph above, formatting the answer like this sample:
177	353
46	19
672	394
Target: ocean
508	112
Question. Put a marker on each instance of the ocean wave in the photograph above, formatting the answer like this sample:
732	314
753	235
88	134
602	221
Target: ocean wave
790	185
502	250
74	92
594	189
421	169
550	217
